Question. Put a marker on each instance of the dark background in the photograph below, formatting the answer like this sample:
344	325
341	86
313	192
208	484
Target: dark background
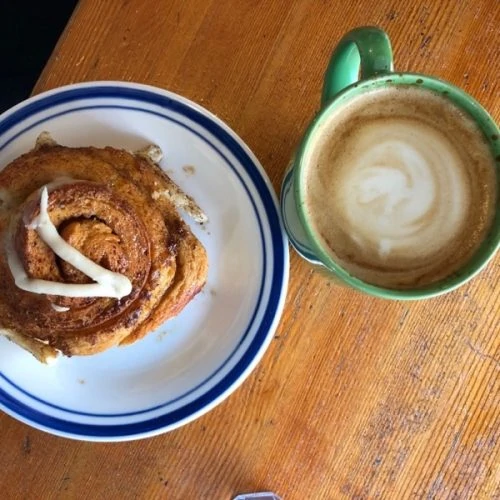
29	31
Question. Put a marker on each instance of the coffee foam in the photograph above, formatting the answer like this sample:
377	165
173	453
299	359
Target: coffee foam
400	187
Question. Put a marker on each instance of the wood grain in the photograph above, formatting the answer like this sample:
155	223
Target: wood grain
356	397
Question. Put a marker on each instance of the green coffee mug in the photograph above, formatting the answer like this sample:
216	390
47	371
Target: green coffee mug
363	62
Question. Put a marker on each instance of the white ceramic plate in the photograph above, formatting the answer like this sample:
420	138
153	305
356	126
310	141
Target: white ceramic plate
194	361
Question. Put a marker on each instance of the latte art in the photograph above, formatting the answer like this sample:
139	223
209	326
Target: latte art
402	191
400	187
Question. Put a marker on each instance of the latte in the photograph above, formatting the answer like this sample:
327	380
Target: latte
400	187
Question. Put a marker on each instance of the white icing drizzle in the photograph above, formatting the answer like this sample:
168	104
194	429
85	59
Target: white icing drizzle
108	283
60	309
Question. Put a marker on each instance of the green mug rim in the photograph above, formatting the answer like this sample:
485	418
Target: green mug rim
465	102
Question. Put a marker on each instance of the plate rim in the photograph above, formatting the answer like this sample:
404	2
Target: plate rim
29	106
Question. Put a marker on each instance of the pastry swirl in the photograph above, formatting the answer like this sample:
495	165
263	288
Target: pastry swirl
114	208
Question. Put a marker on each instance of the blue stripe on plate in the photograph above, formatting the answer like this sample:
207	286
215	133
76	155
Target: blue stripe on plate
279	271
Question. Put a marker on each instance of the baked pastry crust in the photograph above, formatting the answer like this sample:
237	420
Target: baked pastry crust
120	210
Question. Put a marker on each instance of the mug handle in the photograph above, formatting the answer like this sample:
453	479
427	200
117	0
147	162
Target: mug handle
367	48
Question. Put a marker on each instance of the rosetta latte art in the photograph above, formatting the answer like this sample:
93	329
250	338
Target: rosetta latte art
403	192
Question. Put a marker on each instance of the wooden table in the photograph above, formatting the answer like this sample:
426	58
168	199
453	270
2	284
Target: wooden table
356	397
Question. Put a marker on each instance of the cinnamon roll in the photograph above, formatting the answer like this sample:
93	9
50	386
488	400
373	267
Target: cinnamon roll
94	253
